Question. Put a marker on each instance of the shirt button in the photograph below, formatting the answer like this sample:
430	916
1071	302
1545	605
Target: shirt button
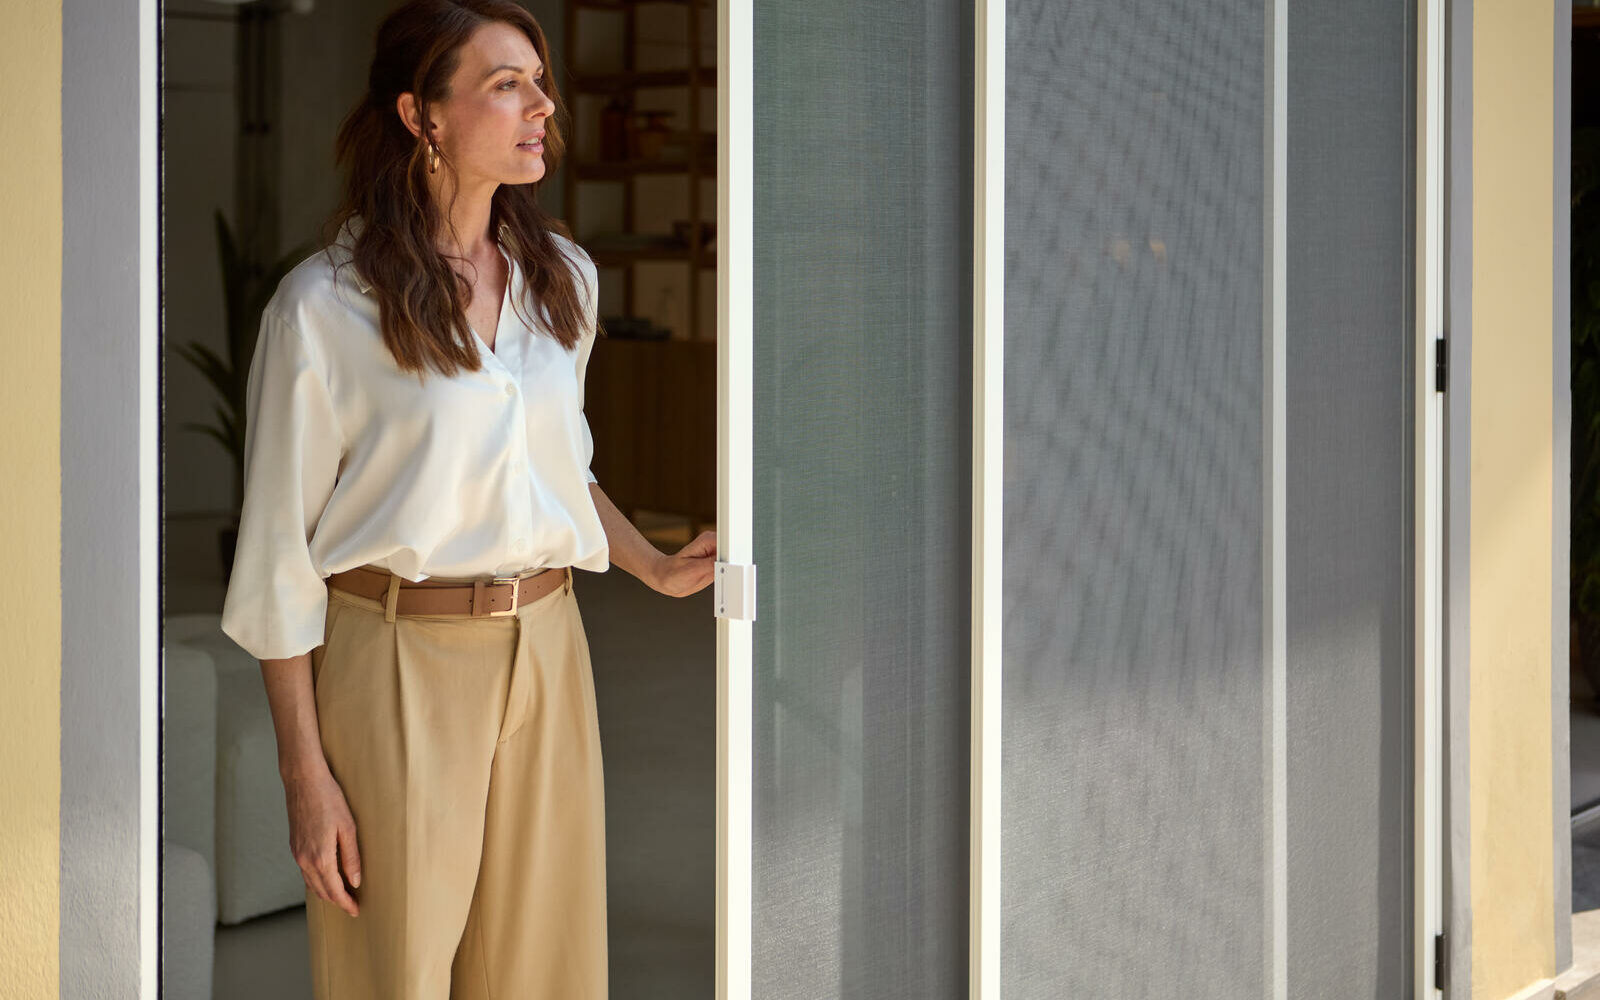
511	390
516	543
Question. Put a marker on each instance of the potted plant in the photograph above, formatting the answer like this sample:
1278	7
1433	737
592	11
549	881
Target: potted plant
245	290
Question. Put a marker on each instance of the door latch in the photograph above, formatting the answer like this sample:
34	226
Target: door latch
734	591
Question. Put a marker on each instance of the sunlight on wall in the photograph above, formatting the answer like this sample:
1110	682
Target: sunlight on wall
30	497
1512	274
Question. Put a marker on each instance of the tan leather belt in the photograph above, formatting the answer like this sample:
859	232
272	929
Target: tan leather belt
491	598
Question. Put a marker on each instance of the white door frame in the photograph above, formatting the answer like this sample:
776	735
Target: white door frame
149	501
988	497
1428	503
735	509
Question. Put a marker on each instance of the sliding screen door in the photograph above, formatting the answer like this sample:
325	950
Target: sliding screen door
862	482
1207	572
1207	633
1351	418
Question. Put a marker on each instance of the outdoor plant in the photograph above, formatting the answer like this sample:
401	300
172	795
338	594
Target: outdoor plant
245	289
1585	563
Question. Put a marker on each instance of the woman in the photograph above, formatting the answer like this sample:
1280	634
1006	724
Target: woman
417	495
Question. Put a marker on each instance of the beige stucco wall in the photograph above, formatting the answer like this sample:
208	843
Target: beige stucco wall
30	496
1512	237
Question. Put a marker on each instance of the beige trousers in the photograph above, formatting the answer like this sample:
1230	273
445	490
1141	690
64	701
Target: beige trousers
469	752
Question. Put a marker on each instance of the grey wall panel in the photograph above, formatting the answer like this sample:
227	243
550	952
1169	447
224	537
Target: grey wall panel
862	435
1561	493
101	520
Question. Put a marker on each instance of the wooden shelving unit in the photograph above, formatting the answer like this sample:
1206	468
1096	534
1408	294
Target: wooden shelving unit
651	404
623	250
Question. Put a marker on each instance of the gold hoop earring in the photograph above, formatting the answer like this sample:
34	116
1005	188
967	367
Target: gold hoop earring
433	158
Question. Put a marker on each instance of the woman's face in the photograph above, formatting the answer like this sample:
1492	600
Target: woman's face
491	127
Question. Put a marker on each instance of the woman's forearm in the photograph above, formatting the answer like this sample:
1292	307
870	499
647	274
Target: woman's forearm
292	699
630	550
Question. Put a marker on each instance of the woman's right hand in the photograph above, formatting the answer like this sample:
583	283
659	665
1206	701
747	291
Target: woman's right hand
322	835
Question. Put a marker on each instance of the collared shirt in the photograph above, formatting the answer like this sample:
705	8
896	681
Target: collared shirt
350	460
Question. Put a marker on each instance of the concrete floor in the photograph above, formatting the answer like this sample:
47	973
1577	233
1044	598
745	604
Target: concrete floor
655	678
1582	981
1584	727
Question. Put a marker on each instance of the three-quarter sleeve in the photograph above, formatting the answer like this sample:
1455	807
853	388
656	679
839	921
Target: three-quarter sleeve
585	346
277	600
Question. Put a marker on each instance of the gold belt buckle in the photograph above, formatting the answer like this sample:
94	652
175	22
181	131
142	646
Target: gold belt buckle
516	582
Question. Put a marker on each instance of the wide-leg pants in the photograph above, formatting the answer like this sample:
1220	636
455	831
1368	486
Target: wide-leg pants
468	750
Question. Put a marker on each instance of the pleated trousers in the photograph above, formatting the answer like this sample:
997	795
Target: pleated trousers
468	750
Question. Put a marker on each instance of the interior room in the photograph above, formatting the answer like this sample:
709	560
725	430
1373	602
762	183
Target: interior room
253	93
1584	598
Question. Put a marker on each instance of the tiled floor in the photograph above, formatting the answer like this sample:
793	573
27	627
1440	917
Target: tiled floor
655	678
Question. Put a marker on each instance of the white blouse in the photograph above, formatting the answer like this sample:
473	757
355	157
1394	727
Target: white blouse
348	460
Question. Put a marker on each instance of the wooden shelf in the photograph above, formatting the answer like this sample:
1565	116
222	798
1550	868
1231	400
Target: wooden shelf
613	170
609	83
626	4
621	170
622	256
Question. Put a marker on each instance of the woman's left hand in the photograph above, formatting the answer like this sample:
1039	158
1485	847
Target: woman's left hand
690	569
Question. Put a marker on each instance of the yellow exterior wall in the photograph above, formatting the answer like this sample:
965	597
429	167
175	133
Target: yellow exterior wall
1513	138
30	497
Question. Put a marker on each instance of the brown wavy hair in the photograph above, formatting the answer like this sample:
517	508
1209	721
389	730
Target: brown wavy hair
422	299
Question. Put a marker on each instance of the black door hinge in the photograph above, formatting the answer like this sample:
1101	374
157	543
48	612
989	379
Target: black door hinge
1441	363
1439	965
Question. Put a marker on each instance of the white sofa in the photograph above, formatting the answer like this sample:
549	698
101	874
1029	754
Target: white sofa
255	872
189	757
